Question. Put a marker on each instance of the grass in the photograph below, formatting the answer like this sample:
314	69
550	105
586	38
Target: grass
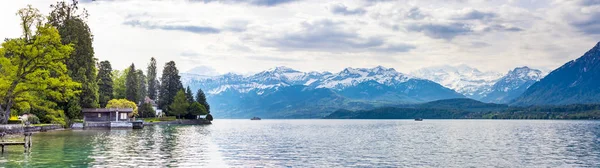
170	118
41	124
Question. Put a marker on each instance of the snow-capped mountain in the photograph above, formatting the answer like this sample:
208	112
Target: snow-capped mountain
576	82
466	80
354	76
350	88
513	84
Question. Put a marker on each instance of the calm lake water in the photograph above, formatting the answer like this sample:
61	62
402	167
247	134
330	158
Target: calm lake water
322	143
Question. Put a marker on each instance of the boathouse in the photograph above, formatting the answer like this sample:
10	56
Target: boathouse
106	114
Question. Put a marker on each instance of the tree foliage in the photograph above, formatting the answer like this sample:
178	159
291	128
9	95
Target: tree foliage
152	82
118	78
123	103
146	110
32	73
81	65
105	83
132	85
169	86
189	95
201	98
180	104
197	109
142	90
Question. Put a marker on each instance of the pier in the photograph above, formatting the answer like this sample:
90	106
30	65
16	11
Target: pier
26	142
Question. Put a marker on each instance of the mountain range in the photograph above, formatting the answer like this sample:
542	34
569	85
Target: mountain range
283	92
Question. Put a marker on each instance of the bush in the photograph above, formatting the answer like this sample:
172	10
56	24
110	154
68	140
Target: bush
33	119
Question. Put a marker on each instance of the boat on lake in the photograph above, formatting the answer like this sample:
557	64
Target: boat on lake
418	119
255	118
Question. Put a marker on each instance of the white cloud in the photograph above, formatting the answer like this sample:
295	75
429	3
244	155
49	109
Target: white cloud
252	35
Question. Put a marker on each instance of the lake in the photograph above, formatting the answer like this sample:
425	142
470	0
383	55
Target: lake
322	143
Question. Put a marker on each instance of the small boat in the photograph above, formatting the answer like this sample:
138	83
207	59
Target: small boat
418	119
255	118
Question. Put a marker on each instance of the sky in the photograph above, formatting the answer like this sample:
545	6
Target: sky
248	36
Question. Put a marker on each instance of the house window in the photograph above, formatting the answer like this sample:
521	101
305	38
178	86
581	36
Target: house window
123	115
99	115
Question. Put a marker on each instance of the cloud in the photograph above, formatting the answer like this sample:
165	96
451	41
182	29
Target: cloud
274	59
342	9
175	27
498	27
251	2
329	36
236	25
189	54
415	13
475	15
440	30
394	48
582	15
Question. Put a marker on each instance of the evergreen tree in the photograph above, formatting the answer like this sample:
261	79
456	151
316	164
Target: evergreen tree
180	104
169	86
73	29
142	91
152	82
201	98
131	85
105	83
189	95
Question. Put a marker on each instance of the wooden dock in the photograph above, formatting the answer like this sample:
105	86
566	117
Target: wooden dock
26	142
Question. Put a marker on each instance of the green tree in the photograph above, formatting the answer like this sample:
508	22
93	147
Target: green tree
123	103
169	86
201	98
119	83
152	82
105	83
81	65
197	109
32	74
146	110
142	91
189	95
180	105
132	85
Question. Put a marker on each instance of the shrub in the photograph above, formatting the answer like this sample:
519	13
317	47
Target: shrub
33	119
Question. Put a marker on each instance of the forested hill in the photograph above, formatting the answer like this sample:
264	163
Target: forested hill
472	109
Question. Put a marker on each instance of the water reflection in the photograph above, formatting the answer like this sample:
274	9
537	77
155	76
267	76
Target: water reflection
322	143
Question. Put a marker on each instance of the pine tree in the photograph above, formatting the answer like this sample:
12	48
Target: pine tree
201	98
142	90
105	83
169	86
180	104
189	95
152	82
131	85
73	29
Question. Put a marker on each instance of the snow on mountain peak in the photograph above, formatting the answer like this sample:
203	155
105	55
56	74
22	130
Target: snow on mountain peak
352	76
466	80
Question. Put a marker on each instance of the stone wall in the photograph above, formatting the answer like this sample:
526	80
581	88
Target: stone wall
18	128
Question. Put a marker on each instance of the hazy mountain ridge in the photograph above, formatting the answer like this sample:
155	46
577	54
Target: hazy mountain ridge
466	80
